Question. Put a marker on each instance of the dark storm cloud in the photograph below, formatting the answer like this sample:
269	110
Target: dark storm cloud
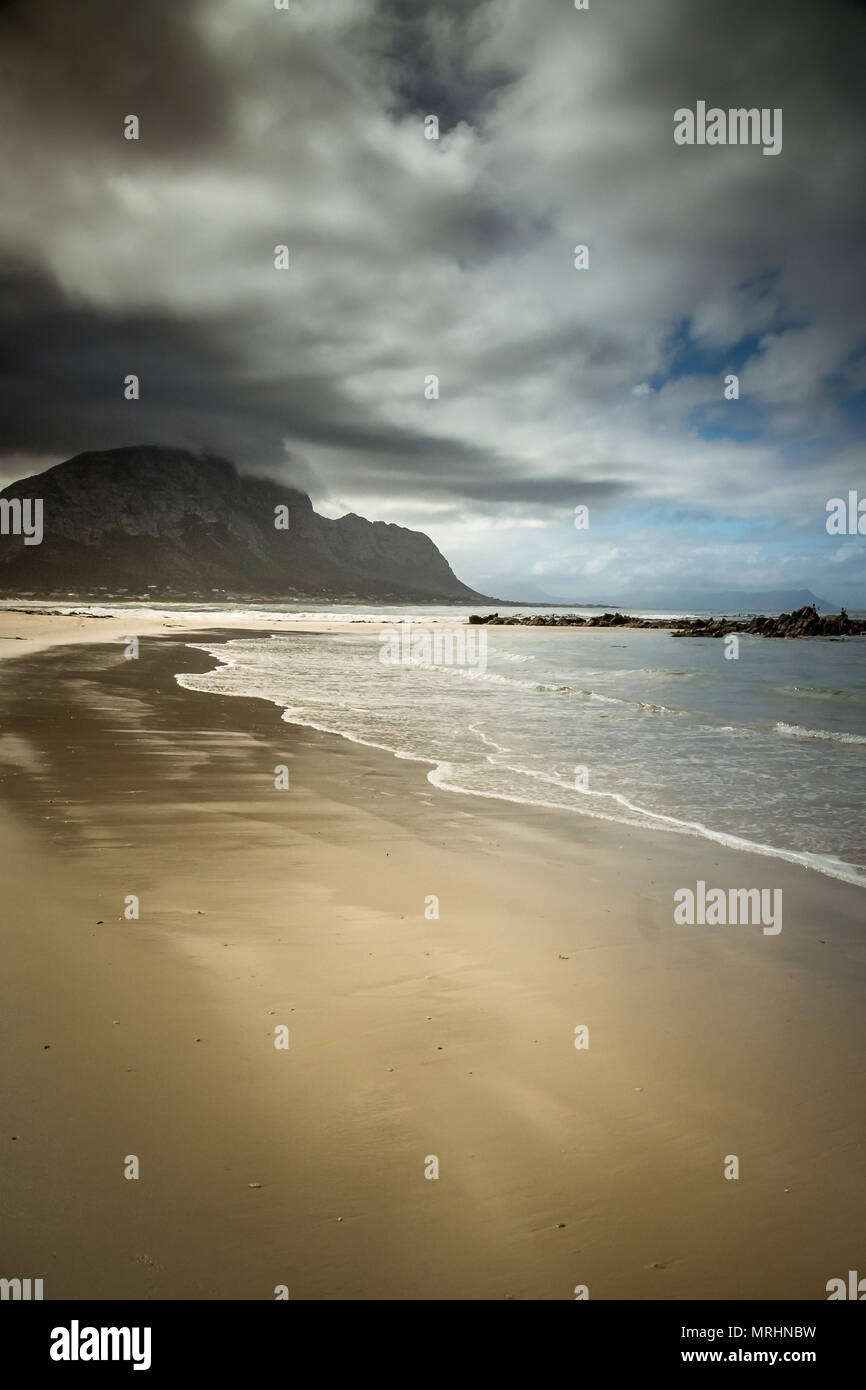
413	258
62	373
72	71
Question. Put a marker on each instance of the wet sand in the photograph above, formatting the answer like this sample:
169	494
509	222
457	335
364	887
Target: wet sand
410	1036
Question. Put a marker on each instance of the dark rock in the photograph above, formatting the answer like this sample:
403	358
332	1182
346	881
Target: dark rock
804	622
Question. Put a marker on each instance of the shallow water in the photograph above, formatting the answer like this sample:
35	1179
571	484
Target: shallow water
639	727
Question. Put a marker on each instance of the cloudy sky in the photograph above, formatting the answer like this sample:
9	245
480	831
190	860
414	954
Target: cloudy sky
454	257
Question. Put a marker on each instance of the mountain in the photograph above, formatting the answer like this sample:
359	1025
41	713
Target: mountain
155	521
711	601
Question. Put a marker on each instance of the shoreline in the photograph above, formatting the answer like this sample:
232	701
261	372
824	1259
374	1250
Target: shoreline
410	1036
151	618
829	865
79	628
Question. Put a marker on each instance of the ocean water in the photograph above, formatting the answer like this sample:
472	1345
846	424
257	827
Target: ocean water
767	751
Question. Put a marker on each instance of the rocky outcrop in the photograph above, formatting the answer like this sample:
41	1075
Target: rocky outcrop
805	622
151	522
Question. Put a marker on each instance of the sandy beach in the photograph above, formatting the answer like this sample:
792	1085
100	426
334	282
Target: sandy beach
411	1036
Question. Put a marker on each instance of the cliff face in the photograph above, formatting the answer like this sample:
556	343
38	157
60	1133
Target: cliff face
165	521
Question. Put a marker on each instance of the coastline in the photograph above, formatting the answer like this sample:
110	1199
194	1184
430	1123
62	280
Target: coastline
79	627
409	1036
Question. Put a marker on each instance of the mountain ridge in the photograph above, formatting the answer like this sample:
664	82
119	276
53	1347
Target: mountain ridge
148	518
699	600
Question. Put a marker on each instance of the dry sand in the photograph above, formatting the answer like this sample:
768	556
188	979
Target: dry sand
409	1037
